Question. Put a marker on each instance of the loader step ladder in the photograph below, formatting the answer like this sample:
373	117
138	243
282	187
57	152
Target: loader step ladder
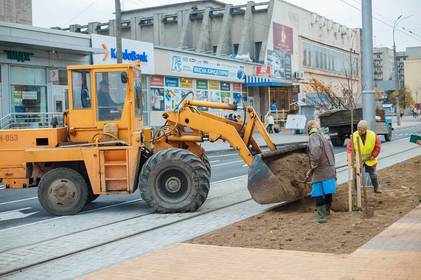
114	170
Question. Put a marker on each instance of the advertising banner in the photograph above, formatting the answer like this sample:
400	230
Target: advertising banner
225	86
214	85
131	51
282	38
186	83
206	67
157	100
280	64
201	84
171	82
157	81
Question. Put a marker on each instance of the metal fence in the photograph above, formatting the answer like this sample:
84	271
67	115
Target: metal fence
31	120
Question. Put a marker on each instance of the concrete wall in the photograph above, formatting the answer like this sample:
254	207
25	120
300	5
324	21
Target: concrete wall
412	78
16	11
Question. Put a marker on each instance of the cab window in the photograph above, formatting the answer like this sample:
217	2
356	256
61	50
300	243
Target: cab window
110	94
81	89
138	92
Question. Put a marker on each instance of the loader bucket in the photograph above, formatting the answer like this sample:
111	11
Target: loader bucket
273	177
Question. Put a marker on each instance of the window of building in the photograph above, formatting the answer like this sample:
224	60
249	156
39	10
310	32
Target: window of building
28	89
62	78
257	49
81	89
329	59
214	48
235	48
110	95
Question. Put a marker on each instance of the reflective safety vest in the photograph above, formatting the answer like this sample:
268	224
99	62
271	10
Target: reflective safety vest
366	148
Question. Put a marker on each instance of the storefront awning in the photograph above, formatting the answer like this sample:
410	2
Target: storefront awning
259	81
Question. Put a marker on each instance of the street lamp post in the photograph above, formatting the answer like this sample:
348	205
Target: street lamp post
398	20
118	30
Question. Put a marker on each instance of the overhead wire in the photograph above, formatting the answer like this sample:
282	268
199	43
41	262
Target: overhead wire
401	29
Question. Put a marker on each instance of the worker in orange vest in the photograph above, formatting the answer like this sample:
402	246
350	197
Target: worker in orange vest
370	145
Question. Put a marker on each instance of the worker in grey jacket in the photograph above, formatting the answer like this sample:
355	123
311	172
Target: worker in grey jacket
323	172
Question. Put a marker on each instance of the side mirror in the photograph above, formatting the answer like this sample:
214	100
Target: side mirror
124	78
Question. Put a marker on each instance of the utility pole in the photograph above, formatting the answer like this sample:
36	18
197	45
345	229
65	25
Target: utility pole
369	99
396	72
118	31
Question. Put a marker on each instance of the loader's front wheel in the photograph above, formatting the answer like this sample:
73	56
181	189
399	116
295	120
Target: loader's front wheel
174	180
62	191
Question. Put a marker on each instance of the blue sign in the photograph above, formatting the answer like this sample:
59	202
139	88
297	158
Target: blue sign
132	55
171	82
210	71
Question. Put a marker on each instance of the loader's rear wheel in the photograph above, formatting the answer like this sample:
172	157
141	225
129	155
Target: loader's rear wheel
62	191
174	180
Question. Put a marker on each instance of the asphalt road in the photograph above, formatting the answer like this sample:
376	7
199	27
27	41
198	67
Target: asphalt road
20	207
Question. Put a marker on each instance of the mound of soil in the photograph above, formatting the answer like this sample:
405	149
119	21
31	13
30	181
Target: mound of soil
293	226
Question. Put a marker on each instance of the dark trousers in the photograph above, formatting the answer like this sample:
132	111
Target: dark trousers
323	199
270	128
371	170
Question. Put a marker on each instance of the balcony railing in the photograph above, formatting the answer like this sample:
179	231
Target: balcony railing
31	120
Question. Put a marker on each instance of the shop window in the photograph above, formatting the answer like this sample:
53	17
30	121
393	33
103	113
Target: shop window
81	89
110	95
28	90
62	78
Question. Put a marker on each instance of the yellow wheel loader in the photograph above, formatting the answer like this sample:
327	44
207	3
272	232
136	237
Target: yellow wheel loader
102	148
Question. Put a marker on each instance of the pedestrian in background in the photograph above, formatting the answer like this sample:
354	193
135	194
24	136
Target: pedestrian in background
370	145
323	172
271	123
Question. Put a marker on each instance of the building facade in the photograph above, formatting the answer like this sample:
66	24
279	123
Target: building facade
412	79
383	64
291	46
33	79
16	11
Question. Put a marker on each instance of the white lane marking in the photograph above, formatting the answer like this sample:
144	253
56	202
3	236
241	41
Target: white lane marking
19	200
245	165
61	217
213	161
16	214
226	155
230	179
227	163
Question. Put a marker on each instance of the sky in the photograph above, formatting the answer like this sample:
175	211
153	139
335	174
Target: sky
347	12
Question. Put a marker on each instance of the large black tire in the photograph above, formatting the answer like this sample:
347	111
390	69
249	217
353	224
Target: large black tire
174	180
62	191
207	164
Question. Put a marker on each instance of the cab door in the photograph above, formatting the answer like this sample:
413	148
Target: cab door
81	116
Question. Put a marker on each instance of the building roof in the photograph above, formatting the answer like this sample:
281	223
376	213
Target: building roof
220	3
45	38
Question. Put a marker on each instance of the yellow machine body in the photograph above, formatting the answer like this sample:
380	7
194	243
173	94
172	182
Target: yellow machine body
107	144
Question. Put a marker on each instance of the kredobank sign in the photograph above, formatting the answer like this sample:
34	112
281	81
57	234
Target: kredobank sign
131	51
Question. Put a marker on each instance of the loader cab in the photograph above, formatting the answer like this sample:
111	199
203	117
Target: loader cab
101	96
